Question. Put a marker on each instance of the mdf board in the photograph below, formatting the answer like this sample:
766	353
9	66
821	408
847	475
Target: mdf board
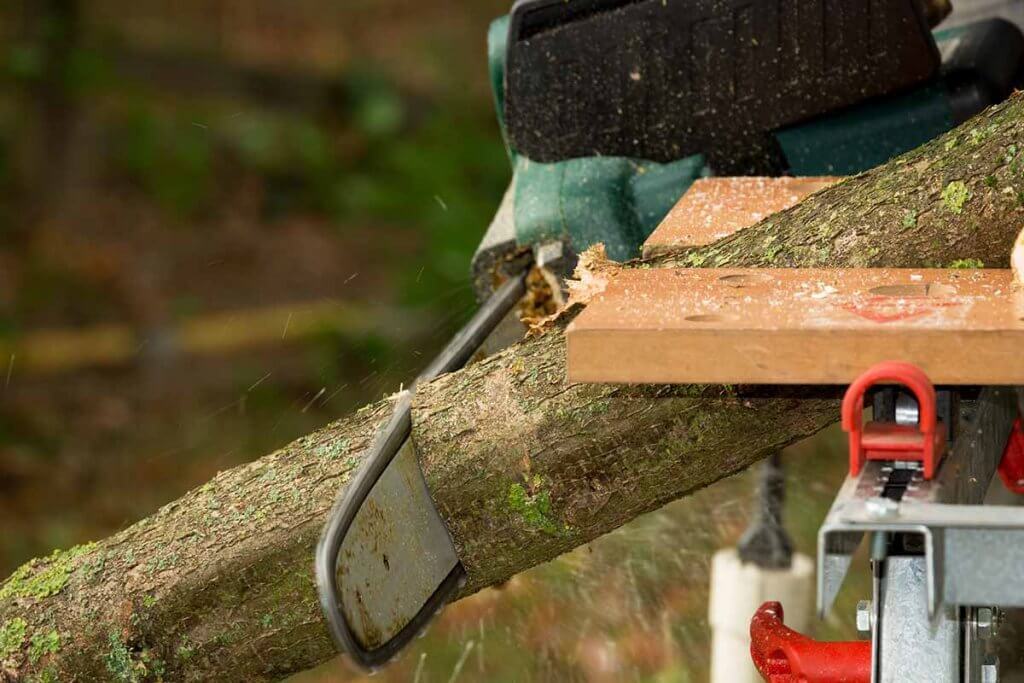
798	326
714	208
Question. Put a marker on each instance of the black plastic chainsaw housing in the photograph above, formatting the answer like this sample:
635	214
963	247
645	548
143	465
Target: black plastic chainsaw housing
662	79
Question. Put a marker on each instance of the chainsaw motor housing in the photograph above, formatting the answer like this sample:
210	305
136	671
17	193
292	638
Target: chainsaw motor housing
664	79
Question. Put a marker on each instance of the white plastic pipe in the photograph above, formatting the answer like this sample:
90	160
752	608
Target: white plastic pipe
737	590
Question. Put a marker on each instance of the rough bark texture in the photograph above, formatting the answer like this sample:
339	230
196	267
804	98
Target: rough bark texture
954	202
218	585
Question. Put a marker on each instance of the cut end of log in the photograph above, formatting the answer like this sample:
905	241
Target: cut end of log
1017	262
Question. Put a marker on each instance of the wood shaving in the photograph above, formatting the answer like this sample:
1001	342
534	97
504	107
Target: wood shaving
594	270
593	273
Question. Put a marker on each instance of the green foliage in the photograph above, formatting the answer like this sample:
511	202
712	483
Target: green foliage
168	158
909	219
442	181
17	429
294	155
955	195
87	70
12	635
277	144
332	355
43	644
374	104
435	180
25	62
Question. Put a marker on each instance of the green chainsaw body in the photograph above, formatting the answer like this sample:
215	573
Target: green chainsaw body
619	201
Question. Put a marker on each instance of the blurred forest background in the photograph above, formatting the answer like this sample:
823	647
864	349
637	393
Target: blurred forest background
224	223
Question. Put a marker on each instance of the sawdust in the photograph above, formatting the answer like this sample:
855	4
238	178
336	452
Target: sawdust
540	301
593	273
594	270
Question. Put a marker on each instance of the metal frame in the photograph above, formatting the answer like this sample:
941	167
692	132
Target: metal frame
961	481
951	557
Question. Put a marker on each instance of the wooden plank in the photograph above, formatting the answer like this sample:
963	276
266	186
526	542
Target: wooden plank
715	208
799	326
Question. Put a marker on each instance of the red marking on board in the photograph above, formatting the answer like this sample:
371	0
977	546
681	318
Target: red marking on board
888	309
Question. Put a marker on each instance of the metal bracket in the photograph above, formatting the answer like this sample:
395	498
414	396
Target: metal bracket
942	512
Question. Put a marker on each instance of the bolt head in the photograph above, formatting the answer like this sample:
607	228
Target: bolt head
985	619
864	618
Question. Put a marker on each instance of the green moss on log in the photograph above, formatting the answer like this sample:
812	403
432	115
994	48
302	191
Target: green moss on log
42	644
956	194
12	636
42	578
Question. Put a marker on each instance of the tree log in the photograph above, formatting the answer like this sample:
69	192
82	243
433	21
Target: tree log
218	585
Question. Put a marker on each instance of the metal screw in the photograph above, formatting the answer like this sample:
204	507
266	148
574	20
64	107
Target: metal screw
864	618
985	619
990	670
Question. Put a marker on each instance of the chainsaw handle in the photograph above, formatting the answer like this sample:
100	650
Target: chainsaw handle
782	655
1011	467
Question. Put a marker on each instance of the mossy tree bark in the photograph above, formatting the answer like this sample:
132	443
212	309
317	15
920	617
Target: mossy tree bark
218	585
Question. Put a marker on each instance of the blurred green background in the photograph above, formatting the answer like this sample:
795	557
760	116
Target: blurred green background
224	223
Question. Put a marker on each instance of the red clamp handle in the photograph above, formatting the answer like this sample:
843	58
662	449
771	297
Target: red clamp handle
886	440
1011	468
782	655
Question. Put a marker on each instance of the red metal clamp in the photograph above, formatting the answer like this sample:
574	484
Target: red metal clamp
782	655
887	440
1011	468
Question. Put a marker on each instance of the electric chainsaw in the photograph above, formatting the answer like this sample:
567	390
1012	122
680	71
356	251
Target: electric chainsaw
610	110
